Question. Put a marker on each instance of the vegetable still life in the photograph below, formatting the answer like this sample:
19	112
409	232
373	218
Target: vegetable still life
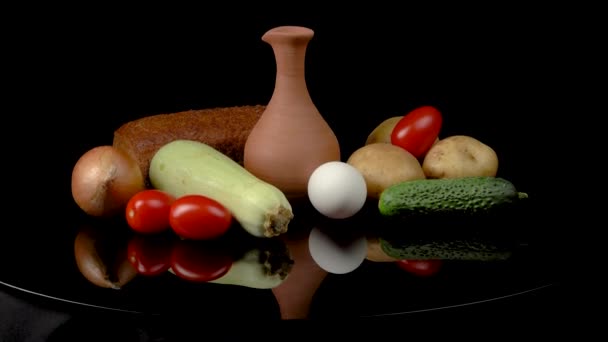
263	196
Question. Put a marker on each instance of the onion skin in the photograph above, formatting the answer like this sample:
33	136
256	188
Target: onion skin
104	179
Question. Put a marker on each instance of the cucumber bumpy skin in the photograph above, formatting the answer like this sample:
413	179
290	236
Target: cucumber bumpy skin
467	195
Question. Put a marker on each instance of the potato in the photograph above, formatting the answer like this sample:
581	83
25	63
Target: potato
383	165
460	156
382	133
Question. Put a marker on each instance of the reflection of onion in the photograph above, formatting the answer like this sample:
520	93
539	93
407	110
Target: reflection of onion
104	179
108	271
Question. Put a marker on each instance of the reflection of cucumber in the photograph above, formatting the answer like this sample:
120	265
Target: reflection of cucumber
453	249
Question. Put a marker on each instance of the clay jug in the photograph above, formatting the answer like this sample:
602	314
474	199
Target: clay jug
291	138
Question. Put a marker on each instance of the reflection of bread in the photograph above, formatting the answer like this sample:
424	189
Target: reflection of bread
225	129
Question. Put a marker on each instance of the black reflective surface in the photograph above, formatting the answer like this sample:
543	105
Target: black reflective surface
78	91
45	263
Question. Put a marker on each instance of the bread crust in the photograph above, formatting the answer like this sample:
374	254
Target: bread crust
224	128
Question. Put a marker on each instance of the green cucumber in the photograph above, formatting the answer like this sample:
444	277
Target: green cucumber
467	195
456	249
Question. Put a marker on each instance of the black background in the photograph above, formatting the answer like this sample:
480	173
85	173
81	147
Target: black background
506	75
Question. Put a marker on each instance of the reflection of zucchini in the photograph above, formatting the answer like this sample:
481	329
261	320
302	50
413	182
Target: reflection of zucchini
257	269
449	249
258	263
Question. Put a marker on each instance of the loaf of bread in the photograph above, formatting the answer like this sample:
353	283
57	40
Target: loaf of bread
225	129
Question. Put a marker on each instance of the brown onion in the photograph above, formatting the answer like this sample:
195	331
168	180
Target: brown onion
104	179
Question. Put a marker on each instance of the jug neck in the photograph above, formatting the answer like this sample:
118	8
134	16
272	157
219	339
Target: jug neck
289	44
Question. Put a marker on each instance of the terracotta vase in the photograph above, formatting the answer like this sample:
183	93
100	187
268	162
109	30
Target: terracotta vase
291	138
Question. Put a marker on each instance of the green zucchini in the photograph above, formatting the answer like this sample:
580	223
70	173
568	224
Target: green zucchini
467	195
185	167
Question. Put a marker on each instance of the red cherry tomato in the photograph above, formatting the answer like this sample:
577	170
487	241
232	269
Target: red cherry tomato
417	130
149	255
423	268
148	211
198	217
196	262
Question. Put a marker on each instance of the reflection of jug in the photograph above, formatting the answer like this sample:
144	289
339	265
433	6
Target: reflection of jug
291	138
296	293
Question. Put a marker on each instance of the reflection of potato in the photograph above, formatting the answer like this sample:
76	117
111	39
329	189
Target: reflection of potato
383	165
460	156
375	252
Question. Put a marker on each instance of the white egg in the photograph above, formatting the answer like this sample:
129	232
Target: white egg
337	189
337	254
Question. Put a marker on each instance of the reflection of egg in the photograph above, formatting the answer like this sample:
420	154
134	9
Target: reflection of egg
337	189
337	254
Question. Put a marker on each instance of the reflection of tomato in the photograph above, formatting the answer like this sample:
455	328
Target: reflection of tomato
148	211
417	130
197	262
198	217
423	268
149	255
